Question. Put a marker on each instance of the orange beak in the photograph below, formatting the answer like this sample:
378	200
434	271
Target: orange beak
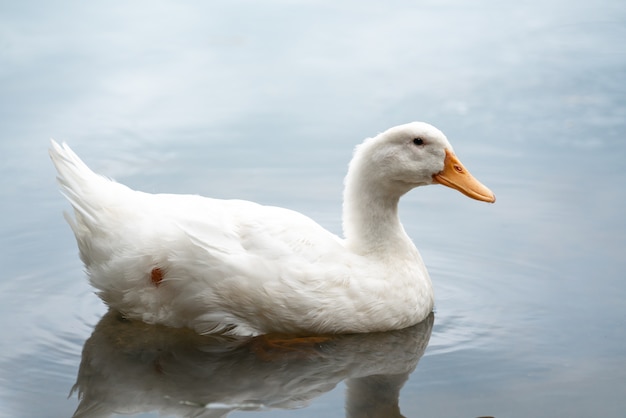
456	176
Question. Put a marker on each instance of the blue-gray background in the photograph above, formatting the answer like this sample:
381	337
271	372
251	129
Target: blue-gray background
265	101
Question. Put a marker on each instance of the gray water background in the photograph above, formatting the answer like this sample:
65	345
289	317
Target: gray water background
266	100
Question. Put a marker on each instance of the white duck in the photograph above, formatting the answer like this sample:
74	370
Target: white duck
239	267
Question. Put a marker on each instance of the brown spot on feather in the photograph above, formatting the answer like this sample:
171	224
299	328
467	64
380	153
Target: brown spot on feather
156	276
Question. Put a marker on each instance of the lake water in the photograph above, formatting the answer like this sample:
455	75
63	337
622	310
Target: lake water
265	101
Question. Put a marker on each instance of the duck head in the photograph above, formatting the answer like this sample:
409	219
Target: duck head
416	154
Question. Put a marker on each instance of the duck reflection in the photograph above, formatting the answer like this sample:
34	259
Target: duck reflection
130	367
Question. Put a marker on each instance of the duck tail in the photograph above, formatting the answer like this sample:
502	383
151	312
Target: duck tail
78	183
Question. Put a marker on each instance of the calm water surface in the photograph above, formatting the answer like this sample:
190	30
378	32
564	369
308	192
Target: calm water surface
265	101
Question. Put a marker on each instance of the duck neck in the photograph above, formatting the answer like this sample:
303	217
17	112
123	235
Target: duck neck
370	217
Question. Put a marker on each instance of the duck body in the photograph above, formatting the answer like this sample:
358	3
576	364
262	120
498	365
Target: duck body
242	268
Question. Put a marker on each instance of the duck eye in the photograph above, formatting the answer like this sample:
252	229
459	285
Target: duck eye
418	141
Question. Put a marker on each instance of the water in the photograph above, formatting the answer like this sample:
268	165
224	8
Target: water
265	102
